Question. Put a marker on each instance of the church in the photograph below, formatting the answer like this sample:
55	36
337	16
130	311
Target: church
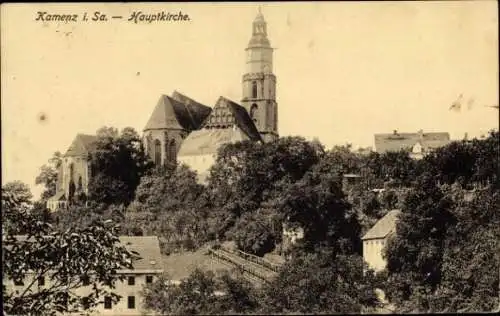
183	130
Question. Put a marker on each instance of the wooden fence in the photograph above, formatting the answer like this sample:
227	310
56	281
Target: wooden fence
224	255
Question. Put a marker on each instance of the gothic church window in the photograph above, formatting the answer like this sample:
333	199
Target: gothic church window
254	89
253	112
157	152
72	187
173	150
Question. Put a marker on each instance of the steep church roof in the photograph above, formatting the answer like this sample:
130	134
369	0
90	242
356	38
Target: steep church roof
81	145
177	112
228	122
405	141
198	111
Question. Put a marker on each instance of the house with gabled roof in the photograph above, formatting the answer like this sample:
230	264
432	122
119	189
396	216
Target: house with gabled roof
417	144
73	175
375	240
145	270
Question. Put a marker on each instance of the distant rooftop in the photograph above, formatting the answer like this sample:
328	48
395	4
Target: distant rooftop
397	141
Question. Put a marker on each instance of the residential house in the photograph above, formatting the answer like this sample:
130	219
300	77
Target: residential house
375	240
145	271
417	144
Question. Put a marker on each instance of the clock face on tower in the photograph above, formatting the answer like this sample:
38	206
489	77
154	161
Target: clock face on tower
265	68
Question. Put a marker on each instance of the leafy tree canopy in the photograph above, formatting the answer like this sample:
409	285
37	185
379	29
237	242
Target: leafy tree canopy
201	293
48	176
65	260
320	282
117	165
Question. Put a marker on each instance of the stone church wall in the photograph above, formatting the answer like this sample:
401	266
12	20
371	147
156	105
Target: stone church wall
75	168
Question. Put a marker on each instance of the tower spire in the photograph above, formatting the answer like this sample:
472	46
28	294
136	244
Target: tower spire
259	82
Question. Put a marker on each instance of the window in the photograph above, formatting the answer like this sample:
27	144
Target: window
173	150
275	117
131	280
253	112
107	302
80	183
41	281
254	89
149	279
85	303
65	300
131	302
85	280
18	282
157	152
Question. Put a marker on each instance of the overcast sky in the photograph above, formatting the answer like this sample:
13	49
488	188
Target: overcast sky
344	70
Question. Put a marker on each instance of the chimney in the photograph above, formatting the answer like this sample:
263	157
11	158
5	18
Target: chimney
420	134
466	136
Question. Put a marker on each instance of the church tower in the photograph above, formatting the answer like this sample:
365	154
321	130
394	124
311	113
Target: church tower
259	82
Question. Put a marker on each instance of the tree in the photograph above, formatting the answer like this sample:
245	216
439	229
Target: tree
83	216
486	165
168	190
339	160
20	190
248	174
107	190
238	295
117	165
200	293
48	176
65	259
397	166
467	162
470	256
444	256
414	255
170	203
318	283
257	232
317	204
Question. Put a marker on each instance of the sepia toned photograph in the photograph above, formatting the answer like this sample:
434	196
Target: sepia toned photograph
250	158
